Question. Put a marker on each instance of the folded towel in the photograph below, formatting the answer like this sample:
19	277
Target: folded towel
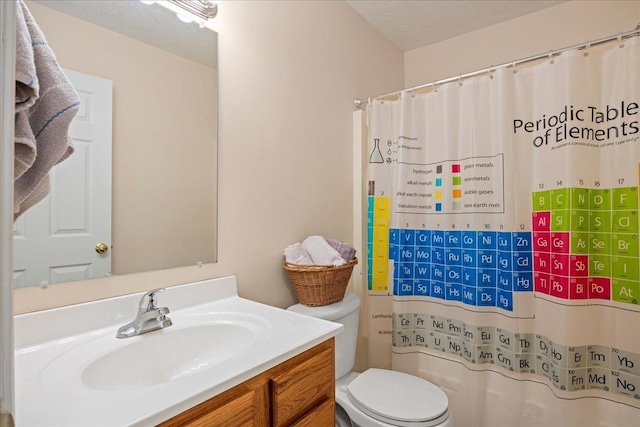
297	254
346	251
321	252
46	103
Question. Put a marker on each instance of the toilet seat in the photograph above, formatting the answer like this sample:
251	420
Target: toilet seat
398	399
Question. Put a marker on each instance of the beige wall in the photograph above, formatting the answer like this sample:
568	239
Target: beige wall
289	72
163	213
560	26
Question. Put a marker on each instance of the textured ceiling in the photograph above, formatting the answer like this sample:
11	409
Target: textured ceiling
413	24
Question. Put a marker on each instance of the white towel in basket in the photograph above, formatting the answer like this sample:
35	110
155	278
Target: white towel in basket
321	252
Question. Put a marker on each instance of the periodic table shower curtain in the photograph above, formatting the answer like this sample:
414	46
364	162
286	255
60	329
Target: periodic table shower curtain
503	219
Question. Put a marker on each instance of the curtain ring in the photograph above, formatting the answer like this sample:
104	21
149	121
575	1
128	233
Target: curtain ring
515	67
490	72
435	86
587	46
459	79
551	60
621	43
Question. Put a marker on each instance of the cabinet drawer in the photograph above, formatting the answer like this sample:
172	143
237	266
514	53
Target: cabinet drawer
304	386
323	415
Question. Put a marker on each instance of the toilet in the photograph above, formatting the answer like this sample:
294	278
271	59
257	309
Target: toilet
376	397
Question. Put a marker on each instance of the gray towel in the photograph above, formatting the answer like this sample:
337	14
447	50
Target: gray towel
46	103
346	251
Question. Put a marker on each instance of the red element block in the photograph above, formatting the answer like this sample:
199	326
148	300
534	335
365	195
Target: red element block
579	288
560	243
599	288
541	242
542	262
455	168
579	265
560	264
542	282
541	221
559	286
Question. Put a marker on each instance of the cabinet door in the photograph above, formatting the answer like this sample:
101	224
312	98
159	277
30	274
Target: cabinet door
323	415
299	389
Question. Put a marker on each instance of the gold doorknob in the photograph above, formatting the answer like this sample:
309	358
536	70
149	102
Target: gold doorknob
102	248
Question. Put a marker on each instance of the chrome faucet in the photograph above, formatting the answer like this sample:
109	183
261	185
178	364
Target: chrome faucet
149	317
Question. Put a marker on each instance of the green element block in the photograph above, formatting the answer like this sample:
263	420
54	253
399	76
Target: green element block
625	245
560	220
370	203
600	200
579	220
600	221
625	198
625	221
541	201
600	243
560	198
600	265
625	268
579	243
457	180
579	198
625	291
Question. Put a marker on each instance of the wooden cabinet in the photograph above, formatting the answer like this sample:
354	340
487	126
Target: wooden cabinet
299	392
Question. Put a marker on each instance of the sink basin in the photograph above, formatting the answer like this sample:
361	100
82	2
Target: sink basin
201	347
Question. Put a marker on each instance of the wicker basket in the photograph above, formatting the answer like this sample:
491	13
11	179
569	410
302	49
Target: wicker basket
318	285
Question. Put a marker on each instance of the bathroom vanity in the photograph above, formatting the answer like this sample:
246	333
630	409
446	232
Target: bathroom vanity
224	361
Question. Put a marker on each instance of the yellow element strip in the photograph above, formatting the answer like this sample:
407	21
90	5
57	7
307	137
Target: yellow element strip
380	256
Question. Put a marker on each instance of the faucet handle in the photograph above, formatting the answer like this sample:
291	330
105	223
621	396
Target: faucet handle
148	301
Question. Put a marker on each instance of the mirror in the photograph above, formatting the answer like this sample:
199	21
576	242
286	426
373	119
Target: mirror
159	78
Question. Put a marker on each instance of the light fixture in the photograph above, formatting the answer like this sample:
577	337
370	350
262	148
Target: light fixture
204	9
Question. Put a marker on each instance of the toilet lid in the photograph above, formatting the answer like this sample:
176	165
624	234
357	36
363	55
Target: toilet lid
397	397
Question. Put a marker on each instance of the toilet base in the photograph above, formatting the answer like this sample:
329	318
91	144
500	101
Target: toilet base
356	418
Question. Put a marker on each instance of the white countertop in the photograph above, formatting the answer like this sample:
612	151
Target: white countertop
54	348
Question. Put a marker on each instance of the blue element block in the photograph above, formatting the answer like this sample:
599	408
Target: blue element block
438	272
521	241
437	239
523	282
422	271
504	241
469	295
422	288
504	300
370	234
453	292
469	239
395	286
396	270
405	287
486	297
487	278
394	236
469	276
522	261
369	281
422	254
453	239
505	280
487	259
438	207
407	253
394	252
437	256
453	274
487	240
408	237
405	270
470	258
453	256
423	237
504	261
437	289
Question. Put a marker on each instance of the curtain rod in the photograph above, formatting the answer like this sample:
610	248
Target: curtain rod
620	37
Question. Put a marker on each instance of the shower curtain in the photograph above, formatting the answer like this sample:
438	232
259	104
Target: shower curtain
503	224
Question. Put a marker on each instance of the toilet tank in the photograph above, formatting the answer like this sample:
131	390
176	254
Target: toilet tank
345	312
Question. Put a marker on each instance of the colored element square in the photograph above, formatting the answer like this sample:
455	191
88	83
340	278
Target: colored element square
541	201
504	241
560	243
455	168
600	199
600	221
457	180
600	265
541	221
469	295
579	265
624	268
560	264
487	240
579	220
559	286
438	207
541	241
625	221
542	262
625	198
541	282
453	239
457	194
523	282
599	287
578	288
560	198
486	297
469	239
456	206
560	220
439	169
438	195
438	182
625	245
625	291
579	243
600	243
521	241
579	198
504	300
